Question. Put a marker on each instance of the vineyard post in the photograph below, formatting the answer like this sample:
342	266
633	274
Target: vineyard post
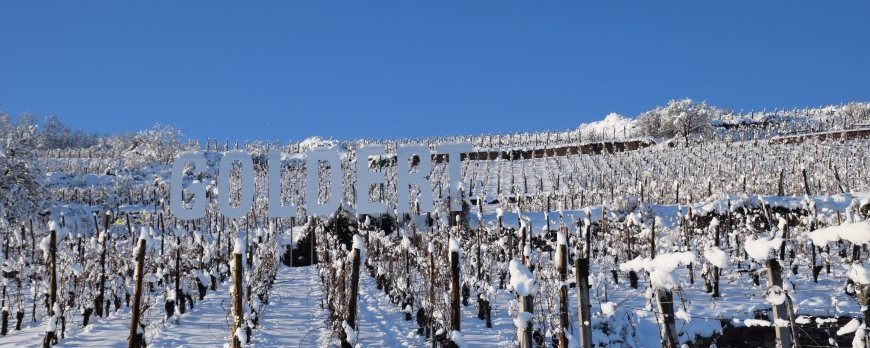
107	220
162	234
135	336
526	305
581	270
510	238
479	248
688	228
780	311
5	321
354	288
454	291
32	240
665	302
864	294
780	191
52	254
179	296
237	296
603	231
562	268
652	239
130	229
816	267
432	292
806	182
716	268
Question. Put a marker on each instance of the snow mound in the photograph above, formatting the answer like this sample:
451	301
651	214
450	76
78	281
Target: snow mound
759	249
522	279
606	127
858	233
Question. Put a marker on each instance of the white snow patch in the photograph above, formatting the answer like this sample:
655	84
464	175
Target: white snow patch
759	249
716	256
858	233
522	279
850	327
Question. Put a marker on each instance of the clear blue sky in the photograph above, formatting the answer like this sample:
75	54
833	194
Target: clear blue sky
292	69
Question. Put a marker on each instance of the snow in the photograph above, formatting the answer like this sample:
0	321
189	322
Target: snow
860	273
239	247
560	238
457	338
859	340
358	245
241	335
608	308
606	127
523	319
759	249
775	295
757	322
716	256
850	327
522	280
349	332
858	233
454	245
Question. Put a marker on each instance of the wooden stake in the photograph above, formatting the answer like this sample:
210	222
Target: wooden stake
665	302
581	270
135	336
562	268
238	316
454	291
781	311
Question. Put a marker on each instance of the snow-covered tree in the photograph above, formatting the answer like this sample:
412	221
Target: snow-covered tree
159	145
680	118
22	183
687	117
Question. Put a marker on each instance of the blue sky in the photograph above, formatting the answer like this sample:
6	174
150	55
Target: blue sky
292	69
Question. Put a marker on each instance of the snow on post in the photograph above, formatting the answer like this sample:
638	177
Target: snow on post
457	338
759	249
716	256
358	245
660	268
858	233
454	246
522	280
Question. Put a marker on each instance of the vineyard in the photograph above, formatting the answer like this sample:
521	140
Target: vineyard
598	236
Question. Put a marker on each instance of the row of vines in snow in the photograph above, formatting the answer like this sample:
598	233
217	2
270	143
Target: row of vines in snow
616	209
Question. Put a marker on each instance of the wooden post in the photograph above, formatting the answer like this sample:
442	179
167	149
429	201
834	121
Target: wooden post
130	229
99	300
806	182
526	305
716	268
179	296
432	292
562	268
135	336
354	289
454	291
665	302
864	295
510	240
52	254
780	191
238	316
581	269
781	311
652	239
